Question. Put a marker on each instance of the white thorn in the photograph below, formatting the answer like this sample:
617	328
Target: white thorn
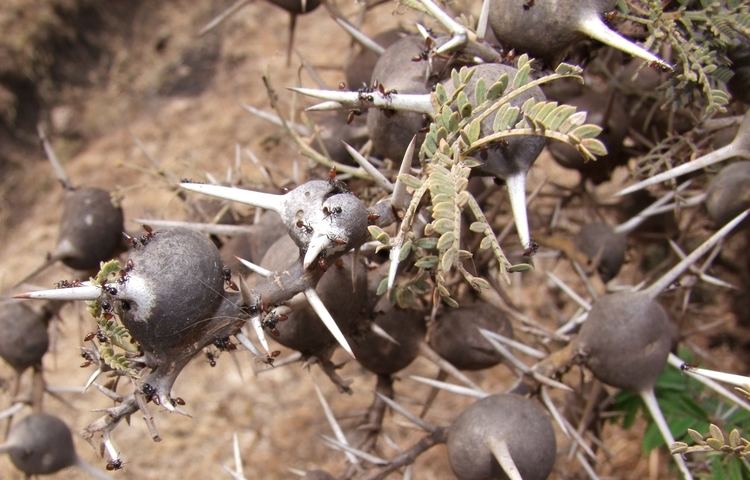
237	456
87	292
731	378
377	177
669	277
319	243
419	422
245	342
593	27
166	402
217	20
517	192
719	155
360	37
212	228
703	276
255	322
421	103
423	31
569	291
267	201
678	363
12	410
446	20
263	272
484	15
653	407
652	209
52	157
326	107
378	330
368	457
521	347
320	309
450	387
92	379
274	119
393	256
399	198
501	452
333	423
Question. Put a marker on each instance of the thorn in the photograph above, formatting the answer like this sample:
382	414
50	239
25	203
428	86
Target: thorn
219	19
88	292
424	425
359	36
483	19
517	192
378	330
593	27
12	410
211	228
276	120
569	291
318	244
245	342
421	103
457	389
368	457
719	155
458	31
665	280
501	452
263	272
393	256
653	209
325	107
320	309
237	457
267	201
368	167
532	352
708	380
245	293
649	399
255	322
332	422
399	198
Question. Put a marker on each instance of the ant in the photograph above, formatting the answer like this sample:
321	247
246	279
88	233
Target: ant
125	271
307	228
270	321
531	249
342	85
211	359
101	336
68	284
363	94
372	218
88	359
179	401
106	306
227	273
331	211
352	113
149	392
528	4
114	464
687	366
109	289
610	16
224	344
271	358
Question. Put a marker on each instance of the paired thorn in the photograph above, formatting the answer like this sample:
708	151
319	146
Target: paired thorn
450	387
668	278
653	209
210	228
739	147
254	267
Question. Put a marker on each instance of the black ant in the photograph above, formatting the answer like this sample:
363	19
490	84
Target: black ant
224	344
101	337
687	366
106	306
88	359
531	249
270	321
271	358
307	228
528	4
227	273
331	211
68	284
149	392
363	94
109	289
114	464
125	271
